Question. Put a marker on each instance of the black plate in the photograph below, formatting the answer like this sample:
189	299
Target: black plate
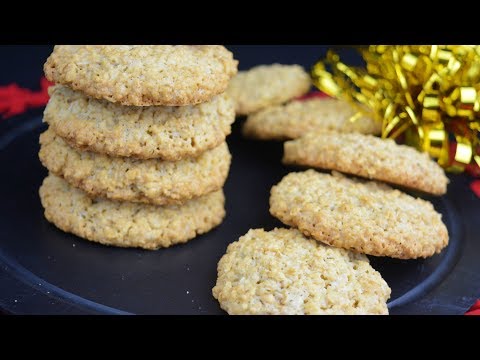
46	271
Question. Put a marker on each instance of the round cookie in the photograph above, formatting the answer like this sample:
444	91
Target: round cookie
281	272
126	224
368	217
267	85
297	118
368	156
143	75
148	181
169	133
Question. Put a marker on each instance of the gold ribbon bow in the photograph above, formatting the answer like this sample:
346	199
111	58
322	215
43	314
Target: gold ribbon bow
427	94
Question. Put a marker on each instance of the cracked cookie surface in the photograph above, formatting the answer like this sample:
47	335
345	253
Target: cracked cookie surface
282	272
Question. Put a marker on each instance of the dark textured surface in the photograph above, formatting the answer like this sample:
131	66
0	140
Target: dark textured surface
45	271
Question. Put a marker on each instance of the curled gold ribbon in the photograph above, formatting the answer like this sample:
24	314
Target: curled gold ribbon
427	95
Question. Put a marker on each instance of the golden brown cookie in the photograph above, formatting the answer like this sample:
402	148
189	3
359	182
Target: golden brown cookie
143	75
126	224
368	217
148	181
297	118
169	133
369	157
282	272
267	85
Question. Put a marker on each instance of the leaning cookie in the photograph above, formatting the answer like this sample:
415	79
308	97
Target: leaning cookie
267	85
297	118
126	224
368	217
281	272
143	75
125	179
169	133
369	157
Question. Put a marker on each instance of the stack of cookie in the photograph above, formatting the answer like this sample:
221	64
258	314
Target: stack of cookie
136	142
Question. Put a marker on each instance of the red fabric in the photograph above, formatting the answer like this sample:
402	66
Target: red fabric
472	169
475	186
313	94
475	309
15	100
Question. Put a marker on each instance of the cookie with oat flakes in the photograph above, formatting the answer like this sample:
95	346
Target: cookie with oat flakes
282	272
165	132
365	216
149	181
369	157
126	224
143	75
297	118
267	85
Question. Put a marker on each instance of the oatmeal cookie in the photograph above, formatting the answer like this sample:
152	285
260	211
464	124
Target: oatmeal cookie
297	118
127	224
169	133
150	181
281	272
370	157
365	216
267	85
143	75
